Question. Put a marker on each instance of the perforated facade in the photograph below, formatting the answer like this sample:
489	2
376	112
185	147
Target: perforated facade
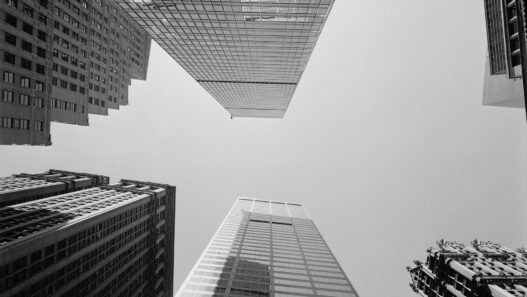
249	55
108	240
267	248
63	60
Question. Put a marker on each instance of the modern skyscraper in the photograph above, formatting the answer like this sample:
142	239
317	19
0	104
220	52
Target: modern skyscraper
26	187
249	55
106	240
62	60
503	84
267	248
484	269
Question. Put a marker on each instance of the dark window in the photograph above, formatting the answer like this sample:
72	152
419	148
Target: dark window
27	28
56	25
43	19
11	20
63	70
54	81
43	3
26	64
27	10
42	35
9	58
27	46
41	69
13	3
55	67
41	52
11	39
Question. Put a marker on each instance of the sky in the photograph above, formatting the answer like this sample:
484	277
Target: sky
386	143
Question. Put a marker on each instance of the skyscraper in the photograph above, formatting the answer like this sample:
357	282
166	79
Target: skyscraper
249	55
26	187
267	248
104	240
484	269
63	60
503	84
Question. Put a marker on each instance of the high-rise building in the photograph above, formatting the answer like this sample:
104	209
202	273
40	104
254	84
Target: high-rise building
105	240
484	269
267	248
503	84
25	187
62	60
249	55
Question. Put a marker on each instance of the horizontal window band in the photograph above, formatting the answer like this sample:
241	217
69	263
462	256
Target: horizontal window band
247	82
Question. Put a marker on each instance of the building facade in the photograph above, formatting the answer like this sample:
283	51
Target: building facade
483	269
503	84
105	240
25	187
249	55
267	248
62	60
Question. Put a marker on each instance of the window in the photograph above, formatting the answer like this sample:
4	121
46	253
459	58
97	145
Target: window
73	87
41	69
39	86
11	39
9	77
102	103
55	67
54	81
55	53
41	52
11	20
38	102
38	125
24	99
42	35
63	84
9	58
82	90
26	64
43	19
64	57
74	61
25	81
27	28
27	10
63	70
56	25
73	74
27	46
7	96
43	3
13	3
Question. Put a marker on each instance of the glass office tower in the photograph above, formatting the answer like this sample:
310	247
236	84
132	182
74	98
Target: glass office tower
267	248
248	54
96	240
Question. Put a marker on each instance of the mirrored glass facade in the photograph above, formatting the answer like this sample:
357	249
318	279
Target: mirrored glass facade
248	54
267	248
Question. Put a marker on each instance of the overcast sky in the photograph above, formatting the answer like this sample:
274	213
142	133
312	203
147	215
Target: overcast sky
386	143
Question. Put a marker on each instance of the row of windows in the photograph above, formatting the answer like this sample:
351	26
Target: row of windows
64	84
25	45
22	124
26	64
65	105
13	21
65	57
9	96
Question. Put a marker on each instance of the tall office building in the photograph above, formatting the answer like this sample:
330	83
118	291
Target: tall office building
249	55
62	60
267	248
25	187
484	269
103	240
503	84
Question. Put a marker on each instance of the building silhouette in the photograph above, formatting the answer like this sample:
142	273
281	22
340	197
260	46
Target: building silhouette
484	269
267	248
249	55
503	84
92	239
62	60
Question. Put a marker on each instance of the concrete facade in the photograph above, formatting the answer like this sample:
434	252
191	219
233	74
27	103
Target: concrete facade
62	60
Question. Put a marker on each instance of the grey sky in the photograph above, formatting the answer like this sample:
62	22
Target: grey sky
386	143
